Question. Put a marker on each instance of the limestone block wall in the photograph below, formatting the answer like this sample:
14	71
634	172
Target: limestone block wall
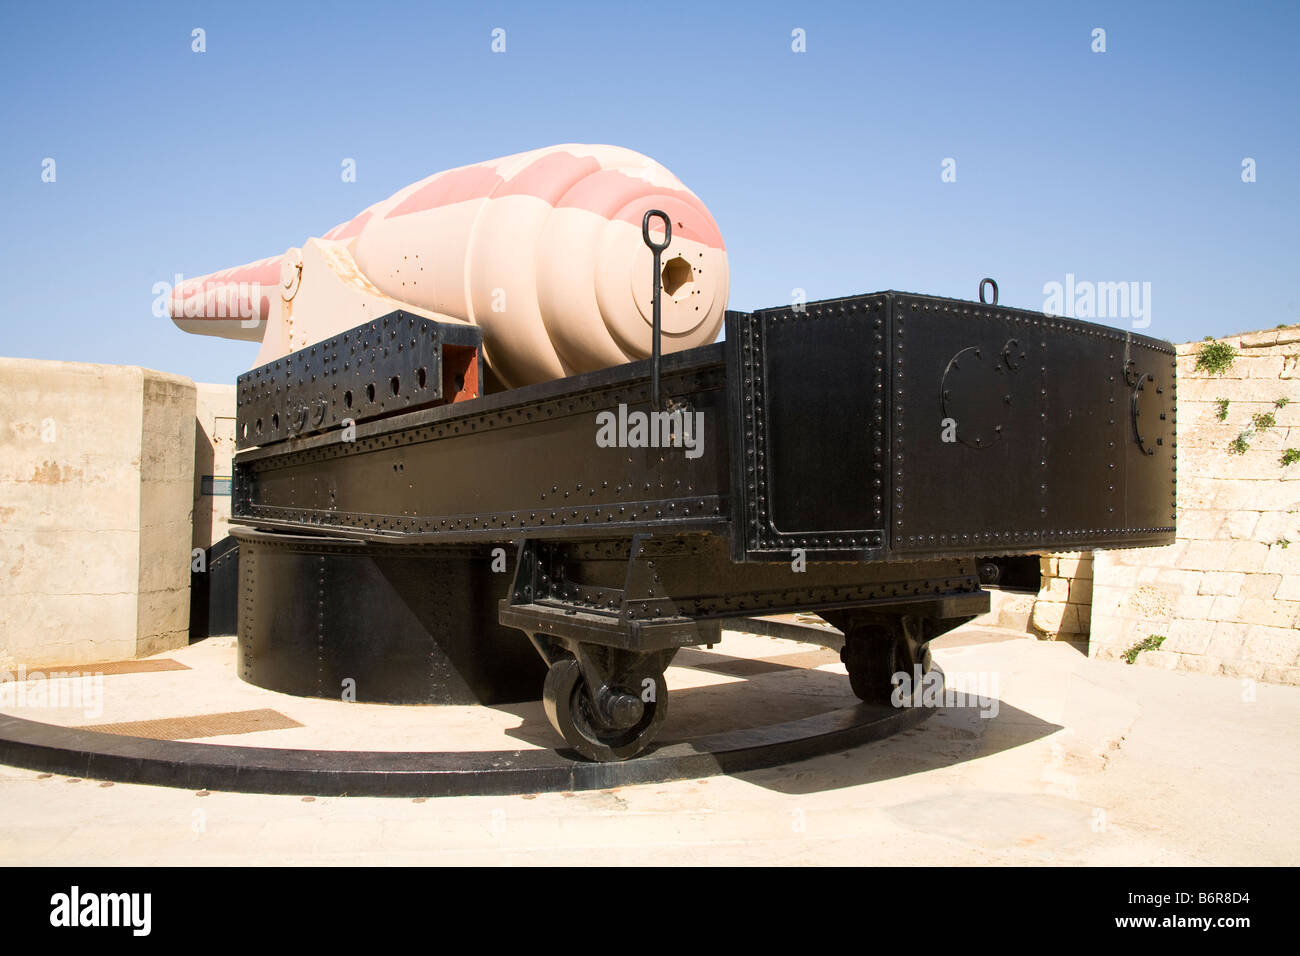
1226	595
1063	608
96	479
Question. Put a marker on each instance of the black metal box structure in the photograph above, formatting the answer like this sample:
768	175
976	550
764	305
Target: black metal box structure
1061	437
853	456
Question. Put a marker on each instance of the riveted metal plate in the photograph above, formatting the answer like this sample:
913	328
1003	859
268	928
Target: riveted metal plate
529	462
1015	431
392	364
878	426
810	396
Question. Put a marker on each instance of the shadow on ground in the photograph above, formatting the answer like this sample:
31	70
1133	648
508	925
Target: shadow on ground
768	691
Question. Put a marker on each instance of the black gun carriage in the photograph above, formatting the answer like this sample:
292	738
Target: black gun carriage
855	457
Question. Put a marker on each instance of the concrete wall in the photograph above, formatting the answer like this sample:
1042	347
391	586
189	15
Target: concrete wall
1225	596
96	477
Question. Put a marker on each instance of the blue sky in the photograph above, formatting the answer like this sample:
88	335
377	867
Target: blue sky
822	168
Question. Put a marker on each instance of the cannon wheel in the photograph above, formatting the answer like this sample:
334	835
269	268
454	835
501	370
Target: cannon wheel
874	652
573	712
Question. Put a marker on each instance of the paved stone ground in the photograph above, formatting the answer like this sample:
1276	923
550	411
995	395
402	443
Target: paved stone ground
1086	762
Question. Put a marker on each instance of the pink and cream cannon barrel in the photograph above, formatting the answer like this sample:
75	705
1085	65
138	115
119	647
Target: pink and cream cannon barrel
542	250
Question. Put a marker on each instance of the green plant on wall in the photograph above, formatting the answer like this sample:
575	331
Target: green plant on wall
1150	643
1282	403
1290	456
1215	358
1239	444
1221	409
1263	421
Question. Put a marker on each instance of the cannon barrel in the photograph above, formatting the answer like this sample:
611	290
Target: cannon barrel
541	250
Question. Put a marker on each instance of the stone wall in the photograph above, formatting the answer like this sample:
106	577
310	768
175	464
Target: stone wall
1063	609
96	475
1225	596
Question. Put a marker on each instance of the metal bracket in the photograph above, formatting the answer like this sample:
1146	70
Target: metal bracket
558	613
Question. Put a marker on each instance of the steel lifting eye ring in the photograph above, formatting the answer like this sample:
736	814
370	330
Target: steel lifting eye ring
988	282
645	230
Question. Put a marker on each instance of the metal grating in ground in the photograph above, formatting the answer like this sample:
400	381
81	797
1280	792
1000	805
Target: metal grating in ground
199	725
106	668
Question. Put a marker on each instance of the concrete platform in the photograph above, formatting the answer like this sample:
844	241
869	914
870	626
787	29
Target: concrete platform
712	691
1085	762
757	728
